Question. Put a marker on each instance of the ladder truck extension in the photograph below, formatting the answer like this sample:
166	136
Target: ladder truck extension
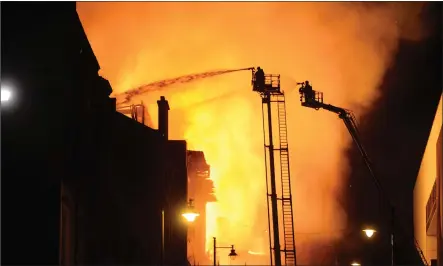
269	90
314	99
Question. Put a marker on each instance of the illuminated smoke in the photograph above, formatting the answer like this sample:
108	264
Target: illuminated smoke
344	49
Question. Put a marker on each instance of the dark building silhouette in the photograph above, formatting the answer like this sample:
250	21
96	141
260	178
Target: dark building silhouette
81	183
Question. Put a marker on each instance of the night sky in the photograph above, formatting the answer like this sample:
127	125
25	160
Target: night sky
395	134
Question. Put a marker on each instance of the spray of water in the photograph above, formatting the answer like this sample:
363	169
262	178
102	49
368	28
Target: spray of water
162	84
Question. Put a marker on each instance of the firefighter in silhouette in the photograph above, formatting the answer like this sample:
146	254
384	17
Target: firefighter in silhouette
259	79
309	93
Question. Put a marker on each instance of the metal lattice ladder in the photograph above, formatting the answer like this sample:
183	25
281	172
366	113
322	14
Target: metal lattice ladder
286	196
272	95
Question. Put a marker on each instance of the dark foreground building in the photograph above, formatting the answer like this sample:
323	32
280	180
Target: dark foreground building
81	183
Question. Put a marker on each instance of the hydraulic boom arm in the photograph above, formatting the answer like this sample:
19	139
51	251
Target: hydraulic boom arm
349	120
314	99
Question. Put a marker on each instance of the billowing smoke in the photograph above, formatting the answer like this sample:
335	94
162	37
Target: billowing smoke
344	49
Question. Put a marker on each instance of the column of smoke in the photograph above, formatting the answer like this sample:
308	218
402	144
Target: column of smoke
344	49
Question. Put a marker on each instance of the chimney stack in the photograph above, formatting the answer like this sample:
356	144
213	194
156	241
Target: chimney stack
163	108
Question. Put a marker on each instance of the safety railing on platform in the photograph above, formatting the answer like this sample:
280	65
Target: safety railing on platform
272	81
318	96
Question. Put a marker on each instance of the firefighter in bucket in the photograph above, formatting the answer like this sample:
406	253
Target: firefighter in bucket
307	91
259	80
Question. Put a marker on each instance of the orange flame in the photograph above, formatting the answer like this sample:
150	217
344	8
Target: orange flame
342	48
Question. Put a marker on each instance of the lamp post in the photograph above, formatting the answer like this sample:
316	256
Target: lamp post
392	235
232	254
370	232
189	214
336	246
163	237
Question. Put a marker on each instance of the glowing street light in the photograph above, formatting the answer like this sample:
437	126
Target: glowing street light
355	264
6	94
190	214
369	232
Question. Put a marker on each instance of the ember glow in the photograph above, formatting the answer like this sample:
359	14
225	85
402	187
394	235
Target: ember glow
342	48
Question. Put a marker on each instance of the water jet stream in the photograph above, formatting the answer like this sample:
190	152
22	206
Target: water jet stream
126	96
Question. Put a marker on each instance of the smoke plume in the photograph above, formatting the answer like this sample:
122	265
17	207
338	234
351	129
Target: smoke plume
344	49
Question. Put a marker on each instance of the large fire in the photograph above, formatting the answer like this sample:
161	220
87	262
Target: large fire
342	48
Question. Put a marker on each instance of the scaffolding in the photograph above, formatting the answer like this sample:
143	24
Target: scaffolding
134	111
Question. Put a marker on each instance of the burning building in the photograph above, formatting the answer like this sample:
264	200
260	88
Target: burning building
201	189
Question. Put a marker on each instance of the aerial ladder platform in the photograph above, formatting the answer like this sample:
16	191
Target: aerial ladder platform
314	99
272	96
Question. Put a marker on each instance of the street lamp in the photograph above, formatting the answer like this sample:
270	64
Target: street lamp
232	254
369	232
6	94
355	264
189	214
